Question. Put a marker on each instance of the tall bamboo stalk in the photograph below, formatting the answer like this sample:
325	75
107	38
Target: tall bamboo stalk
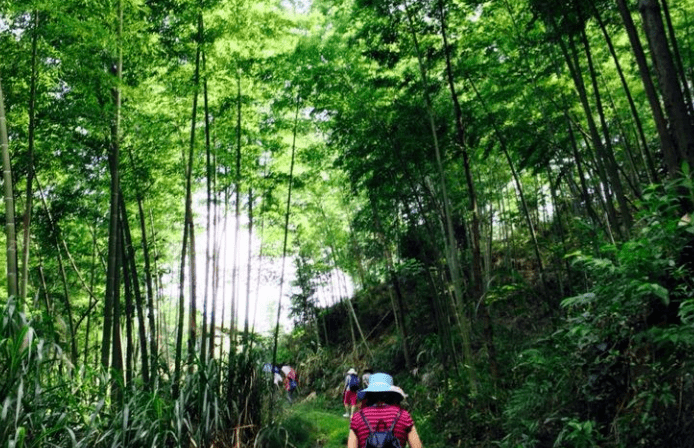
12	288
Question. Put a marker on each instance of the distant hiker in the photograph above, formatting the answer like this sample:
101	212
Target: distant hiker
365	378
364	383
277	377
290	382
349	397
382	422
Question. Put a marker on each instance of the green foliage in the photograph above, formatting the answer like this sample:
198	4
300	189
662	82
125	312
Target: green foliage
38	406
611	373
305	425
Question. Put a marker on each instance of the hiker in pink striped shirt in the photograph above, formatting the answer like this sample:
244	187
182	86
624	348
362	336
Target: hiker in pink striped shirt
381	413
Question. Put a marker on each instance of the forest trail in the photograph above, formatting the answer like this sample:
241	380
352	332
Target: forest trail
315	423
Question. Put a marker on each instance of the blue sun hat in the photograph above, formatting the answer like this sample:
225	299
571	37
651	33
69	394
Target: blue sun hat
379	382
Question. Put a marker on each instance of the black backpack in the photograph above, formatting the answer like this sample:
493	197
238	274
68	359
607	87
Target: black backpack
353	382
381	439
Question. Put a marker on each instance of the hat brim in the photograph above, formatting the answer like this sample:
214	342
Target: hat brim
377	388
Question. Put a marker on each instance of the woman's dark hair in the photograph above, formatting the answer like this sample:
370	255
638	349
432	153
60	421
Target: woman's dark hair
384	397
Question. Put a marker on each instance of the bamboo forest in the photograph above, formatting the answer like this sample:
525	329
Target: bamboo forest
489	200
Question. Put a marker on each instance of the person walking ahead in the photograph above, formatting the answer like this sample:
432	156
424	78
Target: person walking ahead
349	396
382	413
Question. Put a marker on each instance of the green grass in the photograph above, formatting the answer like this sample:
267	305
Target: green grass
312	425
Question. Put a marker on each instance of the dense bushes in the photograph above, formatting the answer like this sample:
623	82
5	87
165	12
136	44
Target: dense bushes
46	402
617	371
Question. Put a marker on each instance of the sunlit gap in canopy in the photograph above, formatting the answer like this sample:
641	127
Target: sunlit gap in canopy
264	291
297	6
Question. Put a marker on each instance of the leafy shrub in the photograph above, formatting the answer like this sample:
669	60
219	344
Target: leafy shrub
615	373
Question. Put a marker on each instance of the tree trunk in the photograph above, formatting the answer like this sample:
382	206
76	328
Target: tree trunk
397	304
129	264
128	290
186	229
153	346
116	349
30	155
246	323
581	175
677	57
666	141
449	238
237	210
208	226
12	287
675	106
286	230
646	153
92	299
192	285
478	286
572	62
61	267
607	150
516	180
114	161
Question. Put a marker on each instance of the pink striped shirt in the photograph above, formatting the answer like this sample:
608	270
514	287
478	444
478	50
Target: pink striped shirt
385	414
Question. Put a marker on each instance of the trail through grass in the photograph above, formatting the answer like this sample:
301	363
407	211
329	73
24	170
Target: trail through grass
316	423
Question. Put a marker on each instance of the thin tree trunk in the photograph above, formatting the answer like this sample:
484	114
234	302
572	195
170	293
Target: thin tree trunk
30	156
607	150
449	237
127	288
286	234
646	153
208	227
516	179
675	106
677	57
581	176
129	263
153	346
237	211
192	284
571	59
61	266
478	286
666	141
12	287
246	323
186	228
397	305
117	350
114	161
92	299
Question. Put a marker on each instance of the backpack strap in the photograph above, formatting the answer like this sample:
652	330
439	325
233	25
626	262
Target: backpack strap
397	417
392	427
363	417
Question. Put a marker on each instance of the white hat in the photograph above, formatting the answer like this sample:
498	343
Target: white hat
351	371
398	390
